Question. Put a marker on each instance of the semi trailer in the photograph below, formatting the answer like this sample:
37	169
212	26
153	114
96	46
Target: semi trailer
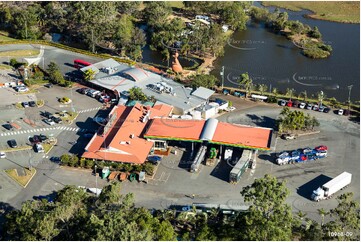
328	189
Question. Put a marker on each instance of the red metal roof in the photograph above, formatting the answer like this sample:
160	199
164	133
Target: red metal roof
242	135
175	129
123	142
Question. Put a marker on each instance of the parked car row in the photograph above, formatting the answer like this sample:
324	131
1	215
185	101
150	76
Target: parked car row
100	96
301	155
302	105
36	139
51	119
28	104
21	88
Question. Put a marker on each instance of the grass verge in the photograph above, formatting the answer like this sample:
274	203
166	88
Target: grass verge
25	147
22	180
19	53
5	67
4	38
345	12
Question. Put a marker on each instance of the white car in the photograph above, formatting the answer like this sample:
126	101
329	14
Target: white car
340	112
23	89
302	105
49	121
230	109
39	148
2	155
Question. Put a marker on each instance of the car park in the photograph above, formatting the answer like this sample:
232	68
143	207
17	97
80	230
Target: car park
8	127
289	103
57	120
46	114
55	159
49	121
39	148
25	104
321	108
35	139
154	159
302	105
22	89
98	119
32	104
282	102
42	137
295	103
81	90
315	107
12	143
2	155
309	106
321	147
88	134
288	136
49	85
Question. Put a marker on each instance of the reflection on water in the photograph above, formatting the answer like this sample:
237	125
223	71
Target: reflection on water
271	59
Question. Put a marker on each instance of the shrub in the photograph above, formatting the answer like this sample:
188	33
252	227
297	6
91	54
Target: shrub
13	62
148	168
89	163
64	100
74	161
64	159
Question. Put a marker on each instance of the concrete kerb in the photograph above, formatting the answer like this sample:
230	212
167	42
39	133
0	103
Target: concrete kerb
17	149
56	141
24	186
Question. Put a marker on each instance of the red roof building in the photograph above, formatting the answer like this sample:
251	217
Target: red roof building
121	138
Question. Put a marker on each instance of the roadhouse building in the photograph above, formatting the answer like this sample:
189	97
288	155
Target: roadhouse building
133	132
119	78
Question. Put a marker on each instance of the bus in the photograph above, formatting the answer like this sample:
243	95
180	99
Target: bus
240	167
78	64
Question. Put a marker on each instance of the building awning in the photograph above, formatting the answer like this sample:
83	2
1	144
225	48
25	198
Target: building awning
203	93
137	74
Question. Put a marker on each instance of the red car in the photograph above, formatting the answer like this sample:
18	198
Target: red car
321	147
289	103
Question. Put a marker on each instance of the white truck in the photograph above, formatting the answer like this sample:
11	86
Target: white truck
331	187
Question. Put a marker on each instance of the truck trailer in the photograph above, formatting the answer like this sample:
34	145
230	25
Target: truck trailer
240	167
328	189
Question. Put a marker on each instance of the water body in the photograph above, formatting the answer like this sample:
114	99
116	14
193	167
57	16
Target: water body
273	60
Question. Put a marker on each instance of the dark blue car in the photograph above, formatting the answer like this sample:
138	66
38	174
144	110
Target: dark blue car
154	159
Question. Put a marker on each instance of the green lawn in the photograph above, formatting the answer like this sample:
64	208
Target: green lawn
5	67
346	12
176	4
19	53
22	180
5	38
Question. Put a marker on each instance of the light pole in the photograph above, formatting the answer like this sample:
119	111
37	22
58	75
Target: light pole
349	98
96	180
222	74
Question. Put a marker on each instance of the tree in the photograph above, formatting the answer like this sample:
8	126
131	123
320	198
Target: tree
315	33
77	215
156	13
247	83
269	217
320	97
322	212
290	92
89	74
304	95
234	15
262	88
202	80
275	92
136	93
